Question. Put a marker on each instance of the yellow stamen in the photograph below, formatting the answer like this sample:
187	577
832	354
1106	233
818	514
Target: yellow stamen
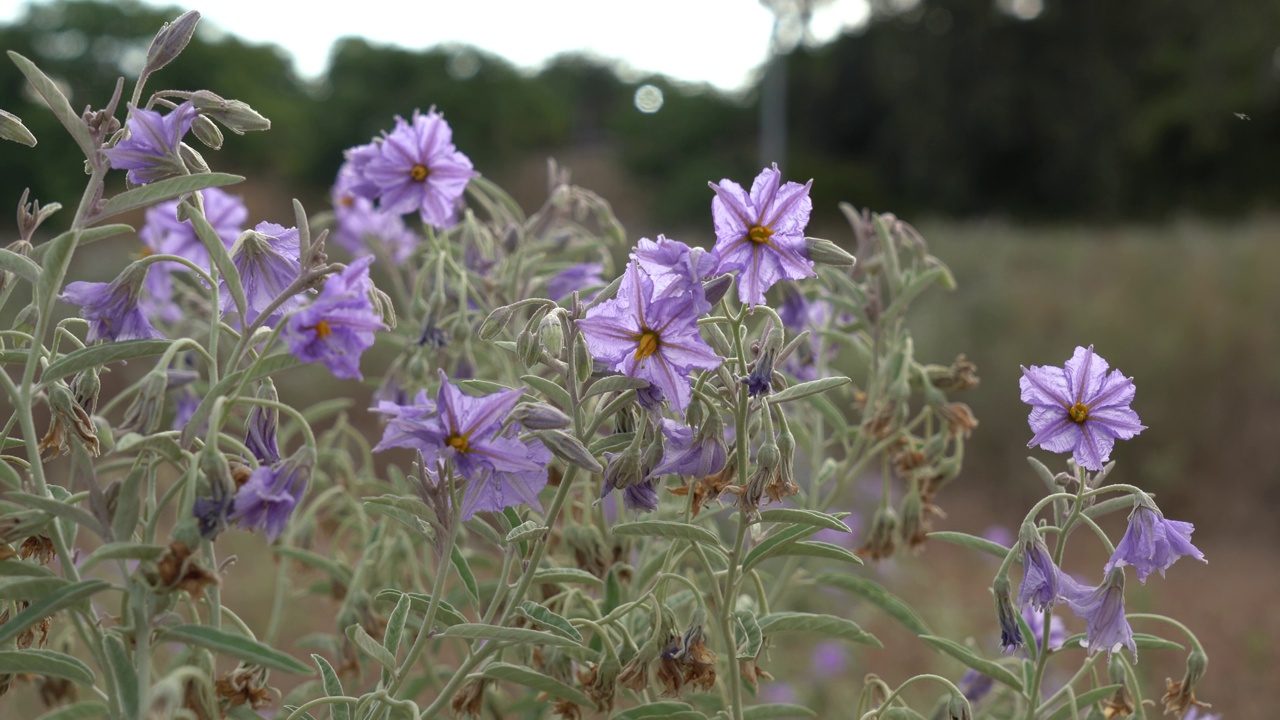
1078	412
458	442
648	344
419	173
759	234
322	329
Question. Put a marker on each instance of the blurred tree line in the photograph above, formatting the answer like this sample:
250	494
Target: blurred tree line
1090	109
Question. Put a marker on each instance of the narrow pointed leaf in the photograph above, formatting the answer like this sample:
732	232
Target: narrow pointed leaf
993	670
48	91
551	576
878	596
395	625
468	578
20	266
221	259
774	544
814	548
446	614
536	680
664	709
514	636
161	190
98	355
830	625
124	677
53	266
805	389
122	551
614	383
553	392
332	688
667	529
1083	701
796	516
371	647
547	619
45	662
973	542
237	646
48	605
777	710
78	711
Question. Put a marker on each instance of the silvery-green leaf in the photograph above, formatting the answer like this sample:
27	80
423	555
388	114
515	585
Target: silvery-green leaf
750	637
57	102
122	551
830	625
99	355
549	389
218	255
528	530
19	265
529	678
45	662
804	517
776	710
12	129
551	576
878	596
775	543
805	389
166	189
614	383
371	647
61	510
29	587
78	711
547	619
667	529
235	645
53	266
973	542
663	709
993	670
395	625
336	571
446	614
332	688
1083	701
464	571
514	636
813	548
124	677
268	366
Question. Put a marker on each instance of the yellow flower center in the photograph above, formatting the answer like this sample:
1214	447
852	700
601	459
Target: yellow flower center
1078	412
458	442
322	329
419	173
759	234
647	345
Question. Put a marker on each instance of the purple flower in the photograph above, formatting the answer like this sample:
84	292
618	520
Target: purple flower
762	234
575	277
974	685
676	269
1153	543
340	325
163	233
1035	623
112	308
654	340
267	260
416	167
361	228
267	500
641	496
1080	408
1040	584
1195	714
1102	609
461	429
494	490
685	453
150	152
830	660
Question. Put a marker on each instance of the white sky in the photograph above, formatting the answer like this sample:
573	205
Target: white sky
713	41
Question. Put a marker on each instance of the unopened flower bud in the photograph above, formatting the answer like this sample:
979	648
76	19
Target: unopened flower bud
958	707
715	288
1010	633
882	539
11	128
528	348
495	323
143	415
193	160
68	420
25	320
238	117
207	132
915	528
825	252
539	416
582	359
86	387
170	41
551	333
569	449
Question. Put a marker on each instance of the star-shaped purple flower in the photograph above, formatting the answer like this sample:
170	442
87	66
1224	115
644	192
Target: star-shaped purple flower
1153	543
464	430
494	490
576	277
762	234
654	340
267	500
362	228
1080	408
417	168
339	325
112	308
150	152
676	269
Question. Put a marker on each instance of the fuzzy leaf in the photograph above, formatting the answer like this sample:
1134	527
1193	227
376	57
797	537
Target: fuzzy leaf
662	709
1083	700
20	266
667	529
830	625
528	530
57	102
78	711
468	578
48	605
777	710
161	190
751	638
123	676
218	254
551	391
973	542
544	617
122	551
614	383
395	625
371	647
805	389
796	516
337	572
332	688
268	366
514	636
536	680
235	645
878	596
53	266
993	670
98	355
45	662
551	576
774	544
445	613
814	548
